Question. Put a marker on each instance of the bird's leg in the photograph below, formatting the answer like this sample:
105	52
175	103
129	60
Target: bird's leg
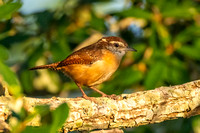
102	94
84	95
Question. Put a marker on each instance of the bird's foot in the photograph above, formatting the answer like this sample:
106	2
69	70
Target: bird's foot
92	99
113	96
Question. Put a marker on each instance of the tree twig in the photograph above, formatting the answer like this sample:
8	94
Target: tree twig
128	110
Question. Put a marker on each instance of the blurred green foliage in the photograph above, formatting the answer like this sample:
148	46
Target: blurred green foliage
166	34
52	121
8	9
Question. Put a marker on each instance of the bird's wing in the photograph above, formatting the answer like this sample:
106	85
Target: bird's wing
87	55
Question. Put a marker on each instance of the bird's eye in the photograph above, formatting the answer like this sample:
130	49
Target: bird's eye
116	45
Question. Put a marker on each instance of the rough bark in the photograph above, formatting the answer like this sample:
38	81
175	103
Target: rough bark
128	110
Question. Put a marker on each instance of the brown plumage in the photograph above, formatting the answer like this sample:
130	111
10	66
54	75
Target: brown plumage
93	64
51	66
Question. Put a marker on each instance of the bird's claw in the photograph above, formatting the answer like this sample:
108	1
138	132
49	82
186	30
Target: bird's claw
113	96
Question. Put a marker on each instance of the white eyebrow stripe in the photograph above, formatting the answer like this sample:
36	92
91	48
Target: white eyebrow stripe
104	40
120	43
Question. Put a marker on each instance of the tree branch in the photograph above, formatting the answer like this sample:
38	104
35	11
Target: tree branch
128	110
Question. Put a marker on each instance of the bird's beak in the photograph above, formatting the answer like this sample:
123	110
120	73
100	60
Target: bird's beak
131	49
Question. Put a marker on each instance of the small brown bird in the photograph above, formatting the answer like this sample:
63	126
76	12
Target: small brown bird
93	64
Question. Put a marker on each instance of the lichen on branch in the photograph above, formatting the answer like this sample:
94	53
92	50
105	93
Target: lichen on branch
127	110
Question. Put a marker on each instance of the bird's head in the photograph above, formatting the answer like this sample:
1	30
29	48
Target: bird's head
116	45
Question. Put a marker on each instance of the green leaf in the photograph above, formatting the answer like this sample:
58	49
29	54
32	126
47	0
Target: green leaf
154	75
8	9
190	51
180	12
26	79
129	77
9	79
153	37
176	72
163	34
140	51
40	129
58	53
42	109
190	32
136	12
123	79
59	116
97	23
3	53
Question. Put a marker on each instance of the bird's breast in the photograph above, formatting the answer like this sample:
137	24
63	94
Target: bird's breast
96	73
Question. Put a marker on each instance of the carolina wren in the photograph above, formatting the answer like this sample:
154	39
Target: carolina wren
93	64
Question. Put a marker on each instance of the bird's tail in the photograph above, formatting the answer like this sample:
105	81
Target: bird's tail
49	66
